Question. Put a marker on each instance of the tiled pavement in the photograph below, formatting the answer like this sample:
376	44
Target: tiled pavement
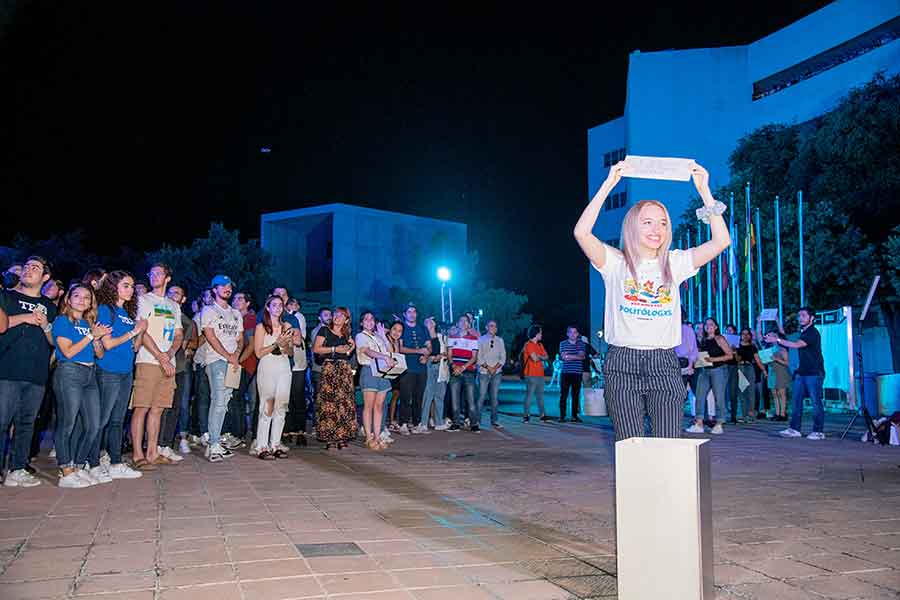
519	514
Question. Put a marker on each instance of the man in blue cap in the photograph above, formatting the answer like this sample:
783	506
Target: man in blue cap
223	327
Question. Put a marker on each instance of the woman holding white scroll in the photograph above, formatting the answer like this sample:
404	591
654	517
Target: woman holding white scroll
642	316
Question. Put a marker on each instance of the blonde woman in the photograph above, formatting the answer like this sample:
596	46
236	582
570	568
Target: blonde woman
642	315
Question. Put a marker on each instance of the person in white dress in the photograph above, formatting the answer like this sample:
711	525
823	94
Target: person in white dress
273	345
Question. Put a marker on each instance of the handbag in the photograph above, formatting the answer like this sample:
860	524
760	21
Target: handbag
380	369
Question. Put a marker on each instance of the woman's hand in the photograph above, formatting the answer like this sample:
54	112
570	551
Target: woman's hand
701	182
615	175
140	326
98	330
342	349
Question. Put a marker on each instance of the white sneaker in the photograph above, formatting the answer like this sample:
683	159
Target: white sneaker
73	480
169	453
104	459
254	449
215	453
204	440
717	429
184	447
404	430
448	421
100	474
195	441
123	471
20	478
790	433
420	429
441	427
86	477
52	453
282	447
816	435
430	421
386	437
466	422
695	429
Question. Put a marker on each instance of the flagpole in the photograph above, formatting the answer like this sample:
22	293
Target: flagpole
719	304
800	233
690	286
709	302
749	262
734	272
700	315
759	272
778	253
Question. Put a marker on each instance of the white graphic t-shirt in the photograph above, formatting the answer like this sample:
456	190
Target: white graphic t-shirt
228	325
644	313
163	318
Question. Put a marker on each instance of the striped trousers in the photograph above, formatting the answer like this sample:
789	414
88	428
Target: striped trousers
644	382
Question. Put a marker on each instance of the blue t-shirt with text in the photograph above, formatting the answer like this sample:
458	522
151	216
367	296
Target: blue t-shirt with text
74	332
121	358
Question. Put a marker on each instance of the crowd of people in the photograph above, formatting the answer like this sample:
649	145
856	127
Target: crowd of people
111	365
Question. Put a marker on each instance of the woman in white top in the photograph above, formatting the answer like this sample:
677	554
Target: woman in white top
371	345
642	317
273	344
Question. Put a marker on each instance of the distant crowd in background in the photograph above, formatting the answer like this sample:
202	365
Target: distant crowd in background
111	365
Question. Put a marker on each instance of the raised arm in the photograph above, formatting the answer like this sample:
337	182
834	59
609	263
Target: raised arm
720	239
594	249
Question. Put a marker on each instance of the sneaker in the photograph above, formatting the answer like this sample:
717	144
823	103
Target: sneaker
475	429
394	427
386	437
226	453
717	429
230	442
404	430
466	422
29	469
497	426
790	433
453	427
86	477
169	453
448	422
123	471
418	429
545	418
695	429
52	453
526	419
442	427
204	440
214	453
195	441
72	480
431	422
577	419
20	478
100	474
184	447
816	435
104	459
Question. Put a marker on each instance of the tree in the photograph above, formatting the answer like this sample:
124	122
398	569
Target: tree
847	163
248	265
66	253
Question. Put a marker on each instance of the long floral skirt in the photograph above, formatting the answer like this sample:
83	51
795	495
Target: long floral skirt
336	403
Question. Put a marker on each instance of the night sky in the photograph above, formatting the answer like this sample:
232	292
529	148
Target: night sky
140	123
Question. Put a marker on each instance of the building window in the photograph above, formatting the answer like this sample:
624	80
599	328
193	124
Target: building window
614	201
866	42
611	158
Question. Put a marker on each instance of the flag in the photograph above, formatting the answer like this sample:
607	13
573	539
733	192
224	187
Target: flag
751	242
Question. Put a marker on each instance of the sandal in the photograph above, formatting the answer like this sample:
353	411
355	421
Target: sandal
162	460
143	464
265	455
280	453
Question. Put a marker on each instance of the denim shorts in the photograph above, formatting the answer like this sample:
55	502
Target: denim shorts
370	383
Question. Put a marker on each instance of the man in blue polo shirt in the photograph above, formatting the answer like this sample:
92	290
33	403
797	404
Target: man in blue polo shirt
572	353
416	345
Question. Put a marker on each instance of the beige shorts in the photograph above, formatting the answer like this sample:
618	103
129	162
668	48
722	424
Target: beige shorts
152	389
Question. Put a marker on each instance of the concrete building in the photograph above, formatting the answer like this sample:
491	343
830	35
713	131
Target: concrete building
698	103
353	256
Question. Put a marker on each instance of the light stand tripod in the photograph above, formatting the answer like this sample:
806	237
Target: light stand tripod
862	408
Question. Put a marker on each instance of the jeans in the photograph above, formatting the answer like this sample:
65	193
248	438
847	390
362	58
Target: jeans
747	398
77	396
534	384
412	390
434	393
19	404
172	416
717	379
732	391
569	381
219	396
808	385
115	391
296	416
183	398
236	417
200	406
488	382
467	380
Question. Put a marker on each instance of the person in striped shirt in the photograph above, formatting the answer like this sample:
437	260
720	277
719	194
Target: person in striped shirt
463	344
572	351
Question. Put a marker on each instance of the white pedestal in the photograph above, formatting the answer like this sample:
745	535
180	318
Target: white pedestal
664	519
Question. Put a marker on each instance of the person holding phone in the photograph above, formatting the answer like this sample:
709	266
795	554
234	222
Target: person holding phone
273	343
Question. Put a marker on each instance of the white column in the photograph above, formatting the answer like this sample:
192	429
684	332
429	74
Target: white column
664	519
